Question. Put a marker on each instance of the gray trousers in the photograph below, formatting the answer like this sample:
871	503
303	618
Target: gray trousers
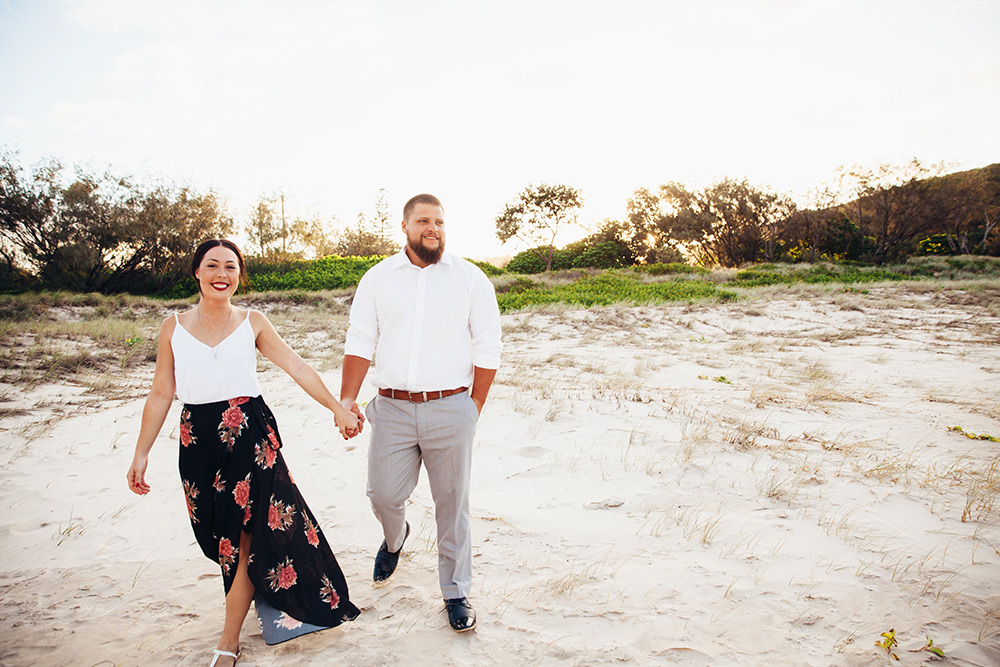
439	433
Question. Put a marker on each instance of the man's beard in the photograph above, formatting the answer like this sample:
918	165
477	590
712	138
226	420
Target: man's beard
425	254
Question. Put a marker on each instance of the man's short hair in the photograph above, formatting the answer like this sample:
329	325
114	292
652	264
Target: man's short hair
420	199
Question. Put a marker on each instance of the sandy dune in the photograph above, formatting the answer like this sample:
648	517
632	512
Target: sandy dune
771	482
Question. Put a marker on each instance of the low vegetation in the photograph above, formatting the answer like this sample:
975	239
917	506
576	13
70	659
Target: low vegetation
45	335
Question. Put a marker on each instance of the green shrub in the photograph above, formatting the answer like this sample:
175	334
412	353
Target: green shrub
610	287
520	284
606	255
525	262
529	262
756	278
670	268
845	272
186	287
14	280
487	268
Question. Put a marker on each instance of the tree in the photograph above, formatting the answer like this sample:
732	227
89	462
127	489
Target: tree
174	221
893	206
29	220
261	229
370	236
381	224
82	236
363	241
808	229
968	207
644	230
313	236
729	223
100	232
537	215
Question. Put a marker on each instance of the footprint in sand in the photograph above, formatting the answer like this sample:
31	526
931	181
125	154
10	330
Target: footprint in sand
534	452
605	504
25	527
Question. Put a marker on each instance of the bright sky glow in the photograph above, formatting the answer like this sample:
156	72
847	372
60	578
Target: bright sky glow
472	101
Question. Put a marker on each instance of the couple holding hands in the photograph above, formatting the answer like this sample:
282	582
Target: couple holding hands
431	322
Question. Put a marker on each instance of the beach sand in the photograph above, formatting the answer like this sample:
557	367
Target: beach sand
775	481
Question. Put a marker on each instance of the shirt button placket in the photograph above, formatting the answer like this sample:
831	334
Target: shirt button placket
418	331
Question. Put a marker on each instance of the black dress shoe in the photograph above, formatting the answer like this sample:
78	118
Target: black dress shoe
385	560
460	614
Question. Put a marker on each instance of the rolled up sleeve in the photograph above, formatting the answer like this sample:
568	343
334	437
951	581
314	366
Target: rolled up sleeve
362	333
484	323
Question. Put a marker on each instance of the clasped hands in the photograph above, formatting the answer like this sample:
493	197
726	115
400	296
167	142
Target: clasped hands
354	424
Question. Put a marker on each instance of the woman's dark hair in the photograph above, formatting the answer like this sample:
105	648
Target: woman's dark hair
199	254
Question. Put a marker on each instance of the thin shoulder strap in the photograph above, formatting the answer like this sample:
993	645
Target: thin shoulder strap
176	321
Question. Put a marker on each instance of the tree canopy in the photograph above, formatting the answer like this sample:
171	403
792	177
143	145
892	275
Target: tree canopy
537	216
729	223
99	232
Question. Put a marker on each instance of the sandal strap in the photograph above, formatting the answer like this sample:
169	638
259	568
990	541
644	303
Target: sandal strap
228	654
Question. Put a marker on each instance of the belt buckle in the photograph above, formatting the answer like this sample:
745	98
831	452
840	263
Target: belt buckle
411	399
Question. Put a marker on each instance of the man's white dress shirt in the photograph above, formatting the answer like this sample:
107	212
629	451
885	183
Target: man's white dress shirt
426	328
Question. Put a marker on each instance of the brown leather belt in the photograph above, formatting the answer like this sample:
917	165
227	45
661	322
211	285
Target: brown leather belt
419	396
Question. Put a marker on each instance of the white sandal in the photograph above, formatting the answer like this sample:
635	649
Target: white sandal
228	654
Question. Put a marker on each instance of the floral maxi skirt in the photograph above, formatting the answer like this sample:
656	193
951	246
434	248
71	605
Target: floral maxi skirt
235	480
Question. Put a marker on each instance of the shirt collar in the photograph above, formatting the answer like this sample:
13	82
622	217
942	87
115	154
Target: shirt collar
400	260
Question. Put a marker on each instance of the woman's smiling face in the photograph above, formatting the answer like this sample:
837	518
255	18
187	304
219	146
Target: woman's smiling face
219	272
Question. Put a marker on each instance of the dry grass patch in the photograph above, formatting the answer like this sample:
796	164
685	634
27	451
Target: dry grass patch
697	523
826	392
745	435
751	344
761	396
782	486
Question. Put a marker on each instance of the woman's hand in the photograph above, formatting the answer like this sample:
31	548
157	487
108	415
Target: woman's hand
137	475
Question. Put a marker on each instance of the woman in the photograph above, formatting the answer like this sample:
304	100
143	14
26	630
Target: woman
245	511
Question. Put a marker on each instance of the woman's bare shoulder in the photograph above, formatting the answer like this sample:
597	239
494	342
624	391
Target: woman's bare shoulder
185	318
258	321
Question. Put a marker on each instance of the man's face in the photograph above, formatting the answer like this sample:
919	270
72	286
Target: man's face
424	231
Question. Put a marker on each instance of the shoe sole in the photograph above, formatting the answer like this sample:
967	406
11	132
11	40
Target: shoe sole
471	627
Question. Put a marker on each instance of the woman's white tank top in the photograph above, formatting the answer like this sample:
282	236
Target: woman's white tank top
204	374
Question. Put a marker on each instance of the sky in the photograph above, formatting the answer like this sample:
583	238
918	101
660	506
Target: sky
327	102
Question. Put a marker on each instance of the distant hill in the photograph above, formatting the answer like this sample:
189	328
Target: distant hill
894	216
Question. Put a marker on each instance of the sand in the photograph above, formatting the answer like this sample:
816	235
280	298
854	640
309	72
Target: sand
770	482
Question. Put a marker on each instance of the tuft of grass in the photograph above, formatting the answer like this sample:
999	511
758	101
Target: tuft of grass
554	410
981	493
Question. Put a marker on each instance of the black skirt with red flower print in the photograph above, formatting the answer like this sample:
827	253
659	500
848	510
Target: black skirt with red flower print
235	480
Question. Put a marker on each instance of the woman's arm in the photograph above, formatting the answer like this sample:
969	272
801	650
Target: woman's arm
272	346
154	413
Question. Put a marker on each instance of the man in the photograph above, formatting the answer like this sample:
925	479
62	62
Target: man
432	323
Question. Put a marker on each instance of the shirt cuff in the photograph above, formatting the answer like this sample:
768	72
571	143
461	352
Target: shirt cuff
356	348
490	360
